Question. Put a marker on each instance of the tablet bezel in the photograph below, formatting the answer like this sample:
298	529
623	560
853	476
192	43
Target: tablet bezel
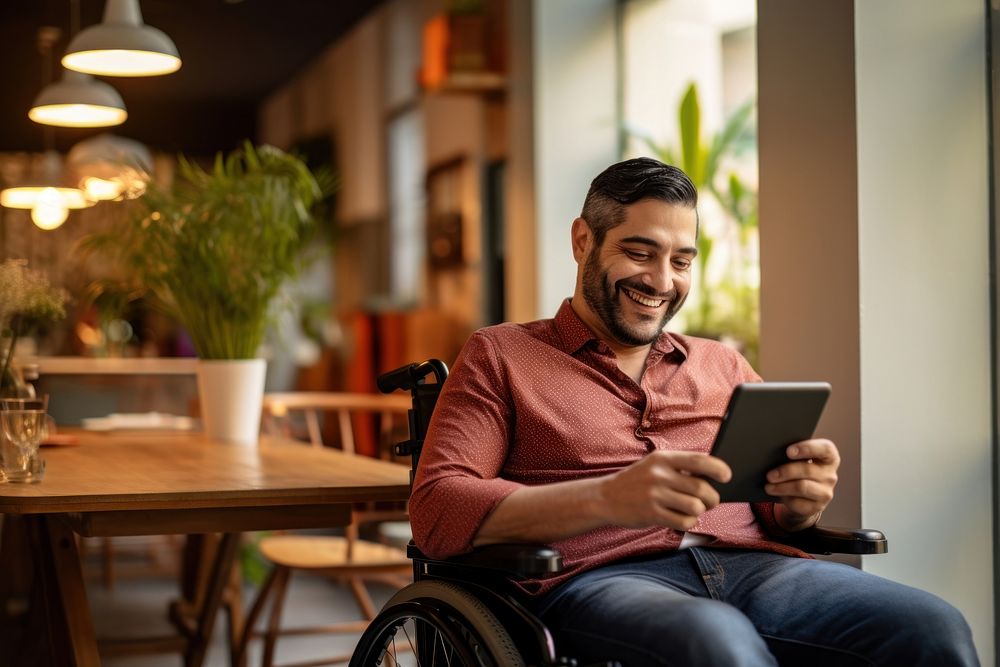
762	419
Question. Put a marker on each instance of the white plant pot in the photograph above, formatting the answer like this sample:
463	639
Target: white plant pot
231	392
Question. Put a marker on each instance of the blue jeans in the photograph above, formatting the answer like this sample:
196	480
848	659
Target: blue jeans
703	607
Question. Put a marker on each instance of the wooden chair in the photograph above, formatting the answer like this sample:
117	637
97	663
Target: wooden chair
348	558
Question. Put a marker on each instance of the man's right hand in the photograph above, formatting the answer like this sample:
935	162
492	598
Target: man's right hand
664	488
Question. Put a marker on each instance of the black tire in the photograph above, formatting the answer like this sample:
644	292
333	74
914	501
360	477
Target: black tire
457	628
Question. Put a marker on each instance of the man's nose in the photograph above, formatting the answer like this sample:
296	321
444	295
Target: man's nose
660	278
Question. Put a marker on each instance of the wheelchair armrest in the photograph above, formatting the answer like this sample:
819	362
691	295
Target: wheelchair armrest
515	559
820	540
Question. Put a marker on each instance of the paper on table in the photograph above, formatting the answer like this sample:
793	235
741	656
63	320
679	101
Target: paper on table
139	421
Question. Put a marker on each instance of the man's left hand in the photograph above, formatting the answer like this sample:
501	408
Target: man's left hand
805	485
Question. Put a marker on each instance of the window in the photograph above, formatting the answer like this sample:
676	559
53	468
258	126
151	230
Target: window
689	78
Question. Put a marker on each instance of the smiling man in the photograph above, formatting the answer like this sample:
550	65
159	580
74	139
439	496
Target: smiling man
590	431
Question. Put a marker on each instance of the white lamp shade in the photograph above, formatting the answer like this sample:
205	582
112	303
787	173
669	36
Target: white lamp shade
44	187
109	166
106	153
78	100
122	45
28	196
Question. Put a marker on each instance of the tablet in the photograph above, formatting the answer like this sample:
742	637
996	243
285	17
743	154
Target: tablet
762	419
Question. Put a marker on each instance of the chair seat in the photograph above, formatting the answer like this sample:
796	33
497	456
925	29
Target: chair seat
312	552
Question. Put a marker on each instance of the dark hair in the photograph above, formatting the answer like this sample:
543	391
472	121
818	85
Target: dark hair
626	183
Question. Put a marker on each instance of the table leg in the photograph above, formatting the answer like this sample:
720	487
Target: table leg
225	557
70	622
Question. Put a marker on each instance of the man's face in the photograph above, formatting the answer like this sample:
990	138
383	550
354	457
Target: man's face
638	278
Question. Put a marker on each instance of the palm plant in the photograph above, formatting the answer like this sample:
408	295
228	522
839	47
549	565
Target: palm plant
703	159
219	243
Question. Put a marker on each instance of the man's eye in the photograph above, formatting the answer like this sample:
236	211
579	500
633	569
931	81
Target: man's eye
637	255
682	264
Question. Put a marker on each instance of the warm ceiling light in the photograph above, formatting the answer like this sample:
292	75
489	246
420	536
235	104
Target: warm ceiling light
27	196
102	189
122	45
78	100
45	196
109	167
49	212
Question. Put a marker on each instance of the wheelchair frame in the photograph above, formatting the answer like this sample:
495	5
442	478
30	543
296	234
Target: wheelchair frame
472	601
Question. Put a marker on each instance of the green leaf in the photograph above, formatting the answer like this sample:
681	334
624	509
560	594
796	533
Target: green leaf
737	128
692	154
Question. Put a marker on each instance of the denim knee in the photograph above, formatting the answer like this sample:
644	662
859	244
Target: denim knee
695	632
929	631
718	634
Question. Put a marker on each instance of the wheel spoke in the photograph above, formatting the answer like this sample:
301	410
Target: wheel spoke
462	635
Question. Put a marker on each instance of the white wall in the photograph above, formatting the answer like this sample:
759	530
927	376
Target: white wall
923	254
574	127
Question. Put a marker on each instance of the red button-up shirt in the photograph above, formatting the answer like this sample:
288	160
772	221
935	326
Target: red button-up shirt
544	402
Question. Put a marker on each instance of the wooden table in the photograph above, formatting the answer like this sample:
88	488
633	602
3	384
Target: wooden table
159	484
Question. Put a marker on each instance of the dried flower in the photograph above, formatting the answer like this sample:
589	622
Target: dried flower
27	294
26	300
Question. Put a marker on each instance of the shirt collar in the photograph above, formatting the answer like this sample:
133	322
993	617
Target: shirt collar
575	334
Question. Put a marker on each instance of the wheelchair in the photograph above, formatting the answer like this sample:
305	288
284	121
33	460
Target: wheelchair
467	610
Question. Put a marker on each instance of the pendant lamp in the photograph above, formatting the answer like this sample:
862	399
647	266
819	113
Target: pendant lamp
110	167
78	100
48	198
122	45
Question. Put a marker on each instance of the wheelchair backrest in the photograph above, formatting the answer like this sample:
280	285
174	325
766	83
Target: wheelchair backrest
413	378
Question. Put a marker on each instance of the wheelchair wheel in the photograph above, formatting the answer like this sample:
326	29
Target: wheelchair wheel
435	623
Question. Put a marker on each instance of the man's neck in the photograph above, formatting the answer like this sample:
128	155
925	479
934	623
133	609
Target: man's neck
631	360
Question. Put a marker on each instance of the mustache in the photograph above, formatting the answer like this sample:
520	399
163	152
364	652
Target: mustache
647	291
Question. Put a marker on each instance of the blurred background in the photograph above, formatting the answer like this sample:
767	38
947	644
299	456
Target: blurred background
421	111
462	136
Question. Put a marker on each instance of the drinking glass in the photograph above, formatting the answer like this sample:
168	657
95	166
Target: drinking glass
36	464
23	431
33	403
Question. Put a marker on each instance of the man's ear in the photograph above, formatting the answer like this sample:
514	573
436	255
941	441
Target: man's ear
582	240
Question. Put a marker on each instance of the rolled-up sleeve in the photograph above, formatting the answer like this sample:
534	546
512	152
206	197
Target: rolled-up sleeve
457	483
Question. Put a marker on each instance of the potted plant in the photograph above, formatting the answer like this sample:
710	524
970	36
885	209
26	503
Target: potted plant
216	246
27	300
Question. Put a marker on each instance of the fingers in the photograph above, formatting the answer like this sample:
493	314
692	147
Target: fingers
808	490
819	450
805	486
696	463
686	493
683	493
665	488
811	474
680	506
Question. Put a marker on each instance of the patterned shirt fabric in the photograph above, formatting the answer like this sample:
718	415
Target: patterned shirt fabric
544	402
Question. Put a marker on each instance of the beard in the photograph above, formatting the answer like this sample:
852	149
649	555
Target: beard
603	298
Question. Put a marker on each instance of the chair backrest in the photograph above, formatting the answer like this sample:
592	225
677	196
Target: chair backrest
278	409
423	395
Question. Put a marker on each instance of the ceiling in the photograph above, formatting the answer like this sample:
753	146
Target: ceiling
234	53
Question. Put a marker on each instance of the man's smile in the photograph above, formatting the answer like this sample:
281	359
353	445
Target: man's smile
642	299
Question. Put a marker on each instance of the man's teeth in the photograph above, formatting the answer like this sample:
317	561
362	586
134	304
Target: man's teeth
644	300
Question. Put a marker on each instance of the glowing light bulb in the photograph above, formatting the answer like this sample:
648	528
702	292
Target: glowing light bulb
50	211
103	189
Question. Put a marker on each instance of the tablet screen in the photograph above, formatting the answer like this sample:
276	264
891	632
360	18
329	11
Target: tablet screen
762	419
